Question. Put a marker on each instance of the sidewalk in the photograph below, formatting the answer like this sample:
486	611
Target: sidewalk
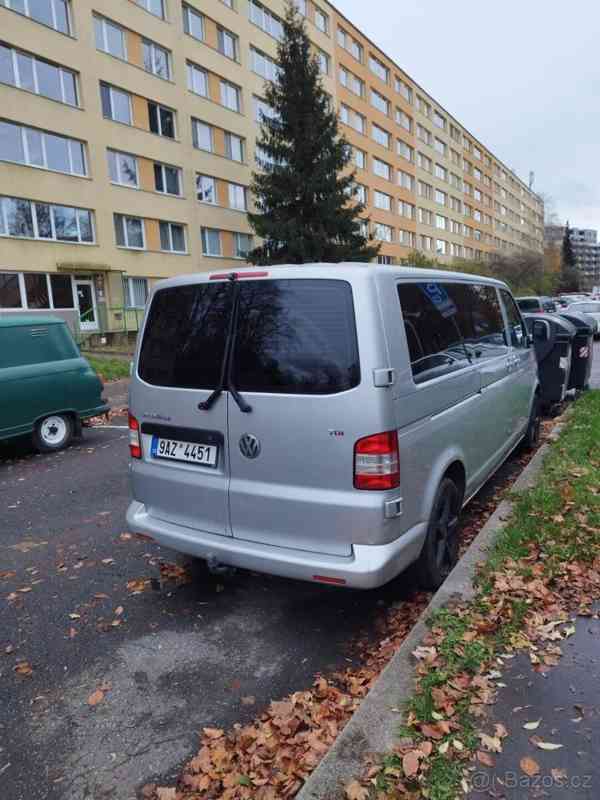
565	702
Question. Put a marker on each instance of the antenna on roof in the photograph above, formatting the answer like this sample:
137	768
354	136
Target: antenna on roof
531	179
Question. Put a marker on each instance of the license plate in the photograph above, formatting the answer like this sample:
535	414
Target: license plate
190	452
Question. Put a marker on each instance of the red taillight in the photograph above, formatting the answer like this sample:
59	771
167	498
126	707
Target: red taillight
377	462
135	442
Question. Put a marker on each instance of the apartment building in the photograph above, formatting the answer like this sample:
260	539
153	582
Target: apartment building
127	144
586	250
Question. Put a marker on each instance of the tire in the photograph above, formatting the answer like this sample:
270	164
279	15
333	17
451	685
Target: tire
53	433
440	551
532	435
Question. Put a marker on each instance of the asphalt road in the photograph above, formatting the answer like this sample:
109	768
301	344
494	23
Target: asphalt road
169	660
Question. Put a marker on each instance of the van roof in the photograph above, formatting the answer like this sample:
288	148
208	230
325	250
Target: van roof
332	271
18	320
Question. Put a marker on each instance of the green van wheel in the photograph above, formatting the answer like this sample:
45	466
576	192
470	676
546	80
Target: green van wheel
53	433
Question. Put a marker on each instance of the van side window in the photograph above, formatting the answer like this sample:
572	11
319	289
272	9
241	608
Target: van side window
450	325
516	326
433	334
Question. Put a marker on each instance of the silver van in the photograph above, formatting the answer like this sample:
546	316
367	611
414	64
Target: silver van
325	422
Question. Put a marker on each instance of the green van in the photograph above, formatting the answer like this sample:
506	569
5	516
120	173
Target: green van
46	387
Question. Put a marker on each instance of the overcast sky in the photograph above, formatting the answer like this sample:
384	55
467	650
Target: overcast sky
522	75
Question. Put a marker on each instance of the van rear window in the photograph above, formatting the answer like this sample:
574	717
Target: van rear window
293	337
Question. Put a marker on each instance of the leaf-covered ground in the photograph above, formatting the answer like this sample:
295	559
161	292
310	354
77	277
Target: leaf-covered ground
544	568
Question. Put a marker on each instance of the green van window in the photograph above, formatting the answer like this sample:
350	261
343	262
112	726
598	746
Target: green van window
26	345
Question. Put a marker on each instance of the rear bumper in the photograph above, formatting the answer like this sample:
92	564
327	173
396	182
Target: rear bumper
368	567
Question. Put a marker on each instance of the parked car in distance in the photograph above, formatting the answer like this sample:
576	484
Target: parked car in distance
536	305
325	422
46	387
567	299
591	309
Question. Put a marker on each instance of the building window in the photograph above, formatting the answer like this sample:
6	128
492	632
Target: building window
265	20
382	201
351	82
301	6
350	45
406	238
197	80
425	190
405	150
441	172
424	162
441	222
206	189
136	292
406	181
425	243
406	209
110	37
425	216
360	193
31	220
123	169
379	69
172	237
53	13
383	233
262	110
129	232
424	134
156	7
202	135
403	119
211	242
385	260
440	197
162	120
237	197
381	136
321	20
360	158
36	75
438	120
382	169
156	59
440	146
243	244
234	147
323	60
404	89
352	118
230	96
379	102
41	149
441	247
263	65
167	179
193	23
228	43
116	104
36	290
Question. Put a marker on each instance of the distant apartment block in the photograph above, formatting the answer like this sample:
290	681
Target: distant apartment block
585	248
127	144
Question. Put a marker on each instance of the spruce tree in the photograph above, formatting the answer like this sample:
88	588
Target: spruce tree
569	278
306	205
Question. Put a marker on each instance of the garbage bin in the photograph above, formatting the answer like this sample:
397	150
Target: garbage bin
553	343
583	350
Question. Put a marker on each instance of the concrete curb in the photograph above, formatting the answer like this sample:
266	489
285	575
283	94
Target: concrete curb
374	726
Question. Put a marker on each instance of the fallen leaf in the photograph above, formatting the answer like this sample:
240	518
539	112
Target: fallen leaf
9	649
25	589
458	745
250	700
443	748
354	791
532	726
7	574
95	698
166	794
410	763
23	668
72	633
125	537
212	733
108	561
500	730
119	610
559	774
548	745
492	743
74	616
529	766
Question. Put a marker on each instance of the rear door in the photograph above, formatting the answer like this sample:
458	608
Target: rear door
179	366
296	364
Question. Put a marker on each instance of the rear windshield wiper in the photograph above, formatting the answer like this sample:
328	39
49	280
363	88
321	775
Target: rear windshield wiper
225	381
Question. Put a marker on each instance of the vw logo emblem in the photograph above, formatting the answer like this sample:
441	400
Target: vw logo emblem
250	446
